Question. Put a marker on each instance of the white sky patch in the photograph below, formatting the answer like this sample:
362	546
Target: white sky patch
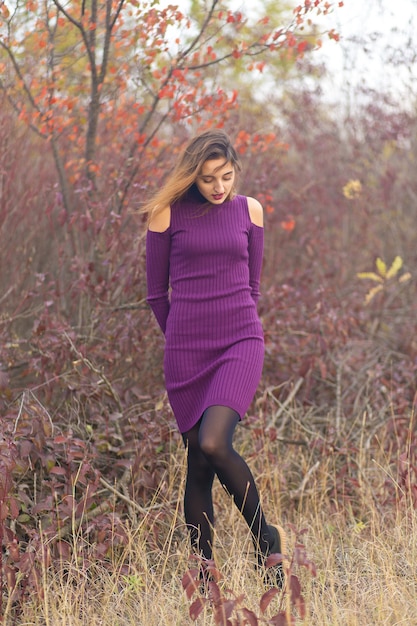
377	49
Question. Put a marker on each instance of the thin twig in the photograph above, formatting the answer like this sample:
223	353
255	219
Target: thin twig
297	493
284	404
73	526
100	373
19	414
131	502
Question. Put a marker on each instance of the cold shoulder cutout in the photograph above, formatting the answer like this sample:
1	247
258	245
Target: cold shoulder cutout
256	213
160	222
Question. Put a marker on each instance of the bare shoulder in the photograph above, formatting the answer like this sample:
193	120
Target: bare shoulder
160	220
256	212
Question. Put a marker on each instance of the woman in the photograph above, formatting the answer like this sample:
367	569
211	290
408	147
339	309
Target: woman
204	258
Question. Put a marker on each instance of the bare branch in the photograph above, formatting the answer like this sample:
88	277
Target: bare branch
203	28
18	72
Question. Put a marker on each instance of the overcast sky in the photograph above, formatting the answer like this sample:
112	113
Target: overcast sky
373	32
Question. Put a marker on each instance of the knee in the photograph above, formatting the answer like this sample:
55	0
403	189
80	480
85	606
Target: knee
213	449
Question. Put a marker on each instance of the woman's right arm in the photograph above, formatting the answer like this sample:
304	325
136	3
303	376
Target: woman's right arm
158	248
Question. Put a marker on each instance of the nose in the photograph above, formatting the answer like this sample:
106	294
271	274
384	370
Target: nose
219	187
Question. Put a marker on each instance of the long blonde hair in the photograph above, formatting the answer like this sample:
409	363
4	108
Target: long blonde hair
212	144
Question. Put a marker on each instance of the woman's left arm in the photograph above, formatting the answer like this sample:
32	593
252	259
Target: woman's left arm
158	246
255	247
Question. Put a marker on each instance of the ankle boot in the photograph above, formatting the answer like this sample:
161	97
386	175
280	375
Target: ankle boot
274	576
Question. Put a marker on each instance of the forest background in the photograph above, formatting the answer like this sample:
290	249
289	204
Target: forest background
97	99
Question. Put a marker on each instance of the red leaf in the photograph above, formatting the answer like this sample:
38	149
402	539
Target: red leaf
4	511
301	47
189	575
222	611
279	620
196	607
295	588
273	559
60	471
26	447
250	617
10	577
60	439
189	582
323	369
14	508
63	549
267	597
214	592
301	606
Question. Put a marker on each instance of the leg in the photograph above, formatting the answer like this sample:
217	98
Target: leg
216	442
198	503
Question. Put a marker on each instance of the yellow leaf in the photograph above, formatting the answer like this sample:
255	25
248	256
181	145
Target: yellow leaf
372	293
381	267
389	149
360	526
371	276
352	189
405	277
395	267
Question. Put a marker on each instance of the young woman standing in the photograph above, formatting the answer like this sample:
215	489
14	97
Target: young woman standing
204	256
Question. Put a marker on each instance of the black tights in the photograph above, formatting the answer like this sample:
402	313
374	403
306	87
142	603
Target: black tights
211	452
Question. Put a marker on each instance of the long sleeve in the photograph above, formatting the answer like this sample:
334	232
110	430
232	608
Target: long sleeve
158	247
256	249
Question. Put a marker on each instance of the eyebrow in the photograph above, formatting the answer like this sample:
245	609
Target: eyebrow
213	174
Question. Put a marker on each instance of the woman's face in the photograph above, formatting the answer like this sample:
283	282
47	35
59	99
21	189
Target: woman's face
215	180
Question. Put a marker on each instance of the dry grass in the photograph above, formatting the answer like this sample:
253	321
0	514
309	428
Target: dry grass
366	560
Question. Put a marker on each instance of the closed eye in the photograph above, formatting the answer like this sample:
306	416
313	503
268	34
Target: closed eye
210	180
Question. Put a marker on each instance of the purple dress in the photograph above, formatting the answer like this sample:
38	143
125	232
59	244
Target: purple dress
203	277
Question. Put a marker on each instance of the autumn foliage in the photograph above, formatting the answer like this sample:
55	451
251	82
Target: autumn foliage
96	100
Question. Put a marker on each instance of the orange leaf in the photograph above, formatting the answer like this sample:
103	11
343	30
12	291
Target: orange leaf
31	5
4	11
332	34
288	225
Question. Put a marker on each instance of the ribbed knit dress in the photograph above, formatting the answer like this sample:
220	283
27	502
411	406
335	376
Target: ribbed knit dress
203	277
